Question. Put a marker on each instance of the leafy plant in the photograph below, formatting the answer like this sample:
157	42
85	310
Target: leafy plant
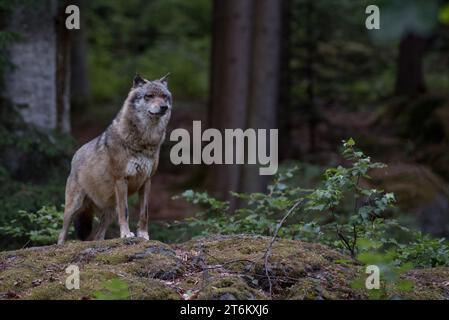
354	220
420	249
347	208
257	217
425	251
343	182
41	227
391	270
340	212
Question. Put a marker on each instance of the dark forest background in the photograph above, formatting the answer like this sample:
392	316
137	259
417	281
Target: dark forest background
309	68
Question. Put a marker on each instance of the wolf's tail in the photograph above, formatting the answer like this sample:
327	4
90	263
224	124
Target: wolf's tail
83	224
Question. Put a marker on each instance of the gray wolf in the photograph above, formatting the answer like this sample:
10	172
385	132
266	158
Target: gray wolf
119	163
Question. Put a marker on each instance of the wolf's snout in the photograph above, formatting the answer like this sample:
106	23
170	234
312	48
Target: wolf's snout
159	111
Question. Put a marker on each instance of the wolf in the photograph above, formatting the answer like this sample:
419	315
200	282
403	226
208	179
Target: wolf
119	163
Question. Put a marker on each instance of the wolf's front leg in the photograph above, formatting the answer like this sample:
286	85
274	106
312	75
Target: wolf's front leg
144	197
121	199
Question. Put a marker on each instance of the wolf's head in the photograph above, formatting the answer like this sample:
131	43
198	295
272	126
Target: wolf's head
150	100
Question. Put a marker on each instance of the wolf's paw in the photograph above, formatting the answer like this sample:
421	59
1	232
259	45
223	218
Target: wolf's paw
143	234
128	234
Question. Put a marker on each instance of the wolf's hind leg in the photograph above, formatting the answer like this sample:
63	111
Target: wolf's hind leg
105	220
74	203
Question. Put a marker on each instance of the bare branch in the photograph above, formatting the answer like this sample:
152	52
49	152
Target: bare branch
273	239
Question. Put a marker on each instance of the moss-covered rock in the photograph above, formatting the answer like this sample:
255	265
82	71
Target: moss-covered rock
220	267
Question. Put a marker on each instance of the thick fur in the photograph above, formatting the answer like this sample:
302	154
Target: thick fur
119	163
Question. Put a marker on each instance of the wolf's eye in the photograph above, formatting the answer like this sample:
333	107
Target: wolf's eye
149	96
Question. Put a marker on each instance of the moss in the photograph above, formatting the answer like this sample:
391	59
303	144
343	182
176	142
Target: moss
150	289
91	280
307	289
18	279
156	266
155	260
220	267
430	284
119	254
229	288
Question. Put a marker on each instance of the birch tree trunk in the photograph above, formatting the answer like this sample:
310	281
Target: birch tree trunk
38	80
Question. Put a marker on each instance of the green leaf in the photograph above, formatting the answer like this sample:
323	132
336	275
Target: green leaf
350	142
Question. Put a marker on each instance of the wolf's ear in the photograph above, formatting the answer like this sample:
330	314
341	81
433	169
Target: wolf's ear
164	79
138	81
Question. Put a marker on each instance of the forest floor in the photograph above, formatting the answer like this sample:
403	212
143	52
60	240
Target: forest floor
219	267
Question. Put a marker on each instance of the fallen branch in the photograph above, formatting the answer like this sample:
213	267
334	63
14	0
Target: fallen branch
270	245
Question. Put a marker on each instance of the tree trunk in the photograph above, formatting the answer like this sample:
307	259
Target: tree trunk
285	101
264	82
79	81
231	69
37	85
31	85
62	72
310	74
410	78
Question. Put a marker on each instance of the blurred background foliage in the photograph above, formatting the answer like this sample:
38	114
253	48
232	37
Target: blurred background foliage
151	37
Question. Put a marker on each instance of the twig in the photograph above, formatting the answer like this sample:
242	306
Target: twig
345	242
273	239
342	237
26	244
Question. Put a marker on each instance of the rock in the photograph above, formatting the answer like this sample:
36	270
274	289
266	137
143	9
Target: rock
219	267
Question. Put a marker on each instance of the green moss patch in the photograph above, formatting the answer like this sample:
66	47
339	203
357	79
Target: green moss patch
219	267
